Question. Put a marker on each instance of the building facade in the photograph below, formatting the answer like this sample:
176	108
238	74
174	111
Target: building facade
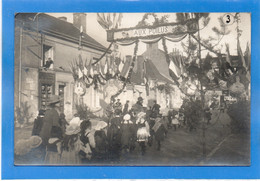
44	49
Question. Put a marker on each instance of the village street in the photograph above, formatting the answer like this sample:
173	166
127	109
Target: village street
182	147
82	93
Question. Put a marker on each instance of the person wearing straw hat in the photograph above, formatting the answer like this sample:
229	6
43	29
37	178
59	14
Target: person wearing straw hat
128	137
51	119
72	143
27	150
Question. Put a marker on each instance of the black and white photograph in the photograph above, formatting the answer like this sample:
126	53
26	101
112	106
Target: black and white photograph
132	89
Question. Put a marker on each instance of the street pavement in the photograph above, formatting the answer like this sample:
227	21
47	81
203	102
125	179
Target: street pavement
182	148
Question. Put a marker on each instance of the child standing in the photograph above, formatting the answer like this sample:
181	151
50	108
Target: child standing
175	121
159	131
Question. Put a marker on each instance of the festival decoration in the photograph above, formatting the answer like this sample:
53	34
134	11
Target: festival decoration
80	90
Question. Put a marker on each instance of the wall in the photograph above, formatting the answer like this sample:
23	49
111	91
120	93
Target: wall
29	91
64	53
63	78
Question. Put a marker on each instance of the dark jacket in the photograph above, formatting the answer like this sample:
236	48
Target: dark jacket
125	110
159	134
51	119
116	121
37	126
128	133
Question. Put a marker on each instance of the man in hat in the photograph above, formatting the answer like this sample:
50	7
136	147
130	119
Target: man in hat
138	106
51	119
156	108
126	106
118	106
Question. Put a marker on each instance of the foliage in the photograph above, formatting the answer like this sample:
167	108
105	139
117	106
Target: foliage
23	113
84	112
155	20
165	87
109	20
192	111
239	113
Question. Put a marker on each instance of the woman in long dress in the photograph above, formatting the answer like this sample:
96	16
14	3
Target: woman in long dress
143	132
71	143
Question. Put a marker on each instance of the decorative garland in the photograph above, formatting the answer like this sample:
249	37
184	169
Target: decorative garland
129	73
103	53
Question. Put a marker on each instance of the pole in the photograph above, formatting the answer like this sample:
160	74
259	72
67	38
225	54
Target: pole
20	67
202	101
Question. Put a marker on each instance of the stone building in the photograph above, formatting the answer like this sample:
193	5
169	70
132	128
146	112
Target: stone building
44	48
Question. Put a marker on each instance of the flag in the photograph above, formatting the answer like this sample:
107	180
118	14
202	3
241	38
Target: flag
117	18
105	70
248	57
176	63
240	54
126	67
121	65
114	20
173	71
85	70
120	16
80	63
109	21
228	54
80	74
144	75
90	69
228	60
111	65
102	21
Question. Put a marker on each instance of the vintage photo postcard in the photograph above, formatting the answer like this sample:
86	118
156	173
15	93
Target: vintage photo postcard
132	89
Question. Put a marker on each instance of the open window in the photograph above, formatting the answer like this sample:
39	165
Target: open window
48	58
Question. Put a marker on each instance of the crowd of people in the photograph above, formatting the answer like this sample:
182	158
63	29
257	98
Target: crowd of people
83	140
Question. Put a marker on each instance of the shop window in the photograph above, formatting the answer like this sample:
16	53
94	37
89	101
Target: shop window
48	58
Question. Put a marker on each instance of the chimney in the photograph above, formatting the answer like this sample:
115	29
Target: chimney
152	46
63	18
80	19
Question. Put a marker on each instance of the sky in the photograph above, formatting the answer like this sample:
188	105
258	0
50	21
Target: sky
132	19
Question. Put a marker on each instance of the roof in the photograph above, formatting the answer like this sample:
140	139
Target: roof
158	58
153	73
52	26
147	68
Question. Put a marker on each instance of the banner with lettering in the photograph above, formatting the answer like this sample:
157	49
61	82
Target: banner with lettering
172	31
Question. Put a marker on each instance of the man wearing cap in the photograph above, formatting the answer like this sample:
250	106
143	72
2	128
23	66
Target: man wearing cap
51	119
